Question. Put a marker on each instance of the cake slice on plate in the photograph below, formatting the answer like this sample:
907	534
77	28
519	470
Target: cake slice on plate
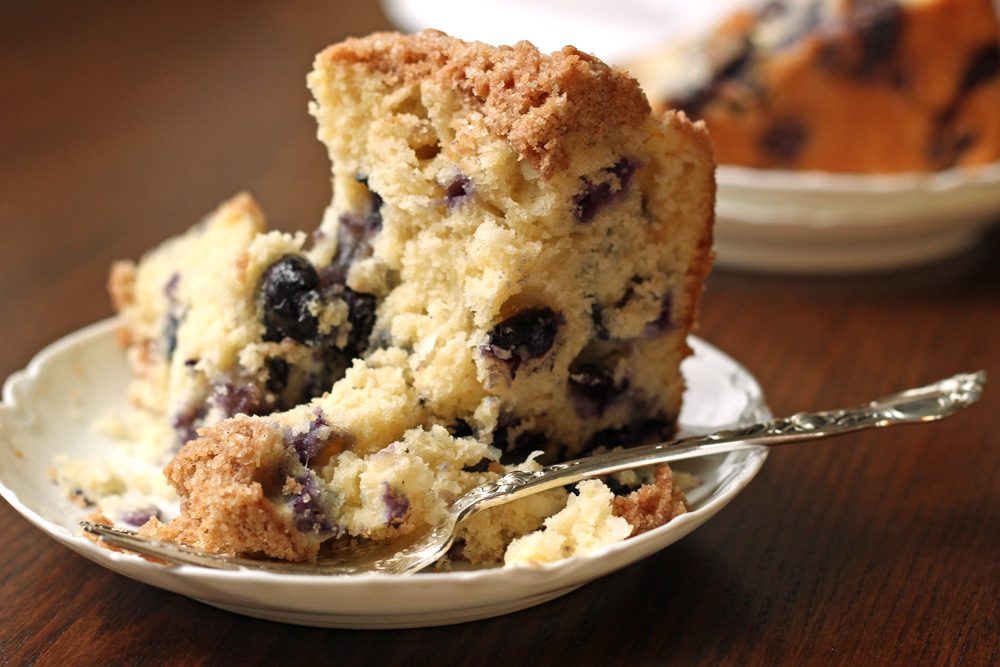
511	263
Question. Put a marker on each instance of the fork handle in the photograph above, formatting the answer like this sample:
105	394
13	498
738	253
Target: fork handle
935	401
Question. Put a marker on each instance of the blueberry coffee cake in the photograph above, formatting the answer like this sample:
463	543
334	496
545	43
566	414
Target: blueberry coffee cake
507	275
842	85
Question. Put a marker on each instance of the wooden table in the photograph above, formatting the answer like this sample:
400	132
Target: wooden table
122	123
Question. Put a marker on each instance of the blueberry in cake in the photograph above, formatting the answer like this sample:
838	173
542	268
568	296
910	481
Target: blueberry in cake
228	319
510	265
842	85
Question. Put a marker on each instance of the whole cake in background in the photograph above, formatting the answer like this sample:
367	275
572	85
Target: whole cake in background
509	268
842	85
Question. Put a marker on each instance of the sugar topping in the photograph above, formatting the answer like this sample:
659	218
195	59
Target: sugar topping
532	100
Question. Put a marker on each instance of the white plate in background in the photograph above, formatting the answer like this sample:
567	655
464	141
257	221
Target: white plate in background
824	223
48	409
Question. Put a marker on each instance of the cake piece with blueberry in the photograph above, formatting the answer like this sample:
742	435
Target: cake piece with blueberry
229	319
531	242
842	85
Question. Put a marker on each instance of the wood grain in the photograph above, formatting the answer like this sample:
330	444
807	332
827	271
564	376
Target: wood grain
123	123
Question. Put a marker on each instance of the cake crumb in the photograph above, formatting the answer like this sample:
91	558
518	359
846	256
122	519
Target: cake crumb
652	505
586	524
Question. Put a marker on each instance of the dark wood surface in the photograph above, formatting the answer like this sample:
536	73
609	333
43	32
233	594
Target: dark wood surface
123	123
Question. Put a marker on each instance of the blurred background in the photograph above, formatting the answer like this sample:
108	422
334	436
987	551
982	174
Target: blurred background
613	31
122	123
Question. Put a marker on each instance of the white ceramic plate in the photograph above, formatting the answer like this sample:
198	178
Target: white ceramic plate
815	222
47	410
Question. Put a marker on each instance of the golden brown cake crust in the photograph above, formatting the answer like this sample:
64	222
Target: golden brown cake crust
697	134
531	99
223	479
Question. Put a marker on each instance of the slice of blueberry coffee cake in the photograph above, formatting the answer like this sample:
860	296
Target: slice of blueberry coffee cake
512	261
842	85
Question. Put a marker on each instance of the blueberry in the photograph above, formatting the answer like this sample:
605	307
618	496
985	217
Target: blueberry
591	381
627	295
514	443
594	388
355	234
879	36
171	323
329	362
460	429
458	191
597	318
397	505
596	195
306	507
170	288
983	66
278	372
527	335
878	28
310	442
236	398
186	422
642	430
172	318
483	465
361	315
287	386
616	486
784	140
81	498
139	517
947	142
287	288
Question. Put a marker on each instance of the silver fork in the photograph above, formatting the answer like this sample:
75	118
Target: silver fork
929	403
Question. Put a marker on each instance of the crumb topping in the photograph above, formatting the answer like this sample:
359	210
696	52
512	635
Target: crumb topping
532	100
652	505
222	478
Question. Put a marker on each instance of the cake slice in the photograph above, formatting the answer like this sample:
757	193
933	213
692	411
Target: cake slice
530	241
842	85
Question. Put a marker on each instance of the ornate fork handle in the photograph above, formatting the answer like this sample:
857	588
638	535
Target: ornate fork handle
929	403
